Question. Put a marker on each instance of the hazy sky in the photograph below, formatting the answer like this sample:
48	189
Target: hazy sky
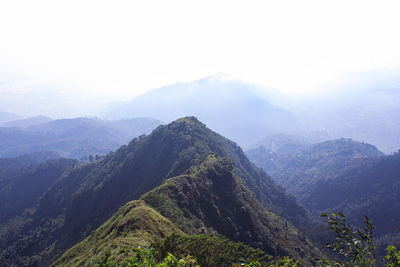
118	49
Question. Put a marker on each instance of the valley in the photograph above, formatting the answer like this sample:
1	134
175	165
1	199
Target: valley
88	191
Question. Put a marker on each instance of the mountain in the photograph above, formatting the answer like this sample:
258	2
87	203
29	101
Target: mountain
24	123
24	179
369	188
299	171
247	113
7	116
228	106
27	160
84	197
76	138
207	199
341	175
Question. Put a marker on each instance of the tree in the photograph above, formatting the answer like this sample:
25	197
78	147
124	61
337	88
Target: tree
355	245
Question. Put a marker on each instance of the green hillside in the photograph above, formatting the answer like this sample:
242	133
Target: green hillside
342	175
24	179
300	171
208	199
135	224
83	198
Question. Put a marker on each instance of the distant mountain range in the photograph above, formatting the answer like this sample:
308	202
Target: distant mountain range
363	107
231	107
180	186
299	170
7	117
183	177
341	175
247	113
24	123
74	138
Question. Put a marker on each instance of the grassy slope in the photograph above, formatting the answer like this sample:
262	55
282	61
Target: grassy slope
135	224
211	199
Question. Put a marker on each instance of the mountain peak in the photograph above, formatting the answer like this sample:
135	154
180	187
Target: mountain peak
208	199
224	103
91	193
188	121
347	147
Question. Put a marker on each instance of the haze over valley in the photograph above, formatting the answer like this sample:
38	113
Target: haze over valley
248	113
182	133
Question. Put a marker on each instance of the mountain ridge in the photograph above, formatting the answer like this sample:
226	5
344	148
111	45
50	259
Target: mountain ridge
86	196
208	199
78	137
215	101
299	170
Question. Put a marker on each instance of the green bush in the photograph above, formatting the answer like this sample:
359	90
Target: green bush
393	257
138	257
210	250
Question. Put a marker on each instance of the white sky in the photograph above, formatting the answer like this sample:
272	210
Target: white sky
119	49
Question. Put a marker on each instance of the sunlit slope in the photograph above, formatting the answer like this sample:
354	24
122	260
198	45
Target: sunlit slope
134	225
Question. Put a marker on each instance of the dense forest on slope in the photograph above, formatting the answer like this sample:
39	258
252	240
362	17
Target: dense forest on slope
74	138
86	196
26	160
300	170
22	191
342	175
371	189
24	179
22	182
207	199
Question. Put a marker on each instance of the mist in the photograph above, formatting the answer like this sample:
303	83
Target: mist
363	106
